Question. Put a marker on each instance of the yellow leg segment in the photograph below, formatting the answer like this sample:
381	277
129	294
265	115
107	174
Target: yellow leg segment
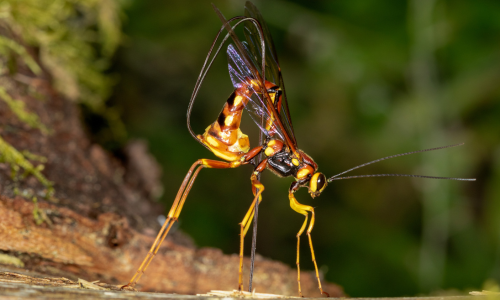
304	209
245	223
175	211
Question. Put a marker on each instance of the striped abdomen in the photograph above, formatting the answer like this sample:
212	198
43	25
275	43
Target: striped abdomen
224	137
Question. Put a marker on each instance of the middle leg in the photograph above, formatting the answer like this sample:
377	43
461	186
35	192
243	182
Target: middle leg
257	189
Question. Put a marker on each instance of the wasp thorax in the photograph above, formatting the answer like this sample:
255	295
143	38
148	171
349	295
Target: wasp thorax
317	184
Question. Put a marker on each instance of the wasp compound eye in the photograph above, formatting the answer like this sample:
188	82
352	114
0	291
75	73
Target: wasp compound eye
317	183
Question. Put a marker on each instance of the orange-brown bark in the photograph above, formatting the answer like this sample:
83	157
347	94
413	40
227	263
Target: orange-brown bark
107	249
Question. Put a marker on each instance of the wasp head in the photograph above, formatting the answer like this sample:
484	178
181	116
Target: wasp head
317	184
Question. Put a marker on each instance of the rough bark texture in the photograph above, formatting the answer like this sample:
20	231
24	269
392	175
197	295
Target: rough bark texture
101	220
107	249
86	179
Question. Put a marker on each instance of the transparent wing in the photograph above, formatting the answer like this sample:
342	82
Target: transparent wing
247	64
252	36
272	68
257	106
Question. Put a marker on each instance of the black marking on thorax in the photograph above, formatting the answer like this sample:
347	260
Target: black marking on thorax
277	93
281	164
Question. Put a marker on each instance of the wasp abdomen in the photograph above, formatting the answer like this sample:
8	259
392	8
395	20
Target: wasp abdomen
224	137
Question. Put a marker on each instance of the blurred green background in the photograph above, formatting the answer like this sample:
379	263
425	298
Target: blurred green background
365	79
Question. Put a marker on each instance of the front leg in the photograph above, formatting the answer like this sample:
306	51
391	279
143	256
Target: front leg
304	209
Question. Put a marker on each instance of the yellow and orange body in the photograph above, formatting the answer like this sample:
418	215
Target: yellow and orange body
225	139
224	136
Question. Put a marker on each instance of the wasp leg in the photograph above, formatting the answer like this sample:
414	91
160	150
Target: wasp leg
257	189
303	209
175	211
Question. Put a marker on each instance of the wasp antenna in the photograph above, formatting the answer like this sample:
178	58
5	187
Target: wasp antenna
400	175
392	156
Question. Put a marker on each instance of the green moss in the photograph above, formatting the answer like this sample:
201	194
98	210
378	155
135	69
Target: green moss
39	215
10	260
18	108
75	40
36	212
8	45
18	162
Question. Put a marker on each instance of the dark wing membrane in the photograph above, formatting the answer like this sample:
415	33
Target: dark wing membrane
257	107
272	68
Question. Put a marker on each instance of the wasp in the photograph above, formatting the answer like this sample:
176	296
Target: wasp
258	89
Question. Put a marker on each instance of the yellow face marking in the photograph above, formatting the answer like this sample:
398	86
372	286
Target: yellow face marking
269	151
229	120
295	161
302	173
271	143
237	100
213	142
314	182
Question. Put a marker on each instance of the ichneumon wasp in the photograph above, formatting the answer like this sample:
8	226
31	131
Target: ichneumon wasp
260	90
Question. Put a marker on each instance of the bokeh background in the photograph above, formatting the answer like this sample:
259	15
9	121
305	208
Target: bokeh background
365	79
